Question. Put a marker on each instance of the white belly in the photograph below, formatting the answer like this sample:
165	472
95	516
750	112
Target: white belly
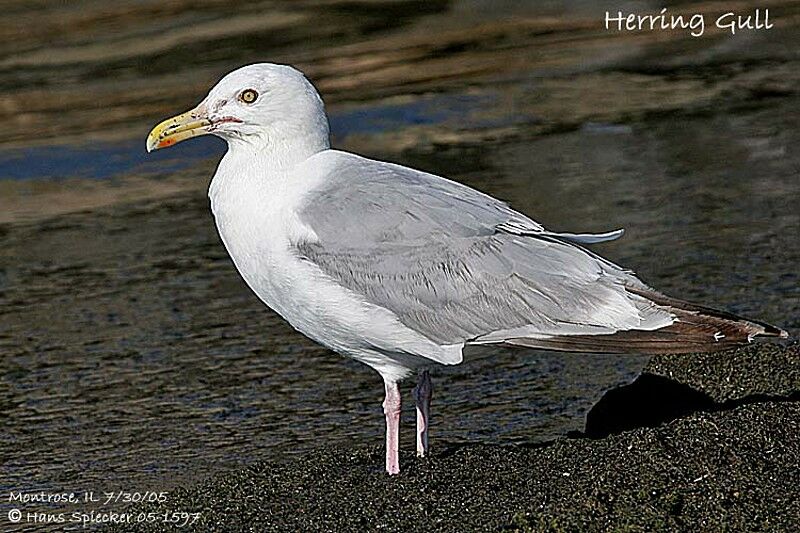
318	307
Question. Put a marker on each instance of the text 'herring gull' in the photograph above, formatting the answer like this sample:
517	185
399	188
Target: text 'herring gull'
401	269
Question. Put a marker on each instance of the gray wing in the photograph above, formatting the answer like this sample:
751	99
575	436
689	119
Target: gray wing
459	266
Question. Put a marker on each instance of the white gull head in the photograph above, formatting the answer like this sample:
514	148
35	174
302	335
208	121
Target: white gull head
265	106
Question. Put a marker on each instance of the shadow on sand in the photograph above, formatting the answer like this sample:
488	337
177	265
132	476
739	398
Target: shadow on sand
652	400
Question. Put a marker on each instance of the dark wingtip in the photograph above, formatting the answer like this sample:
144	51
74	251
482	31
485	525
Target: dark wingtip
772	331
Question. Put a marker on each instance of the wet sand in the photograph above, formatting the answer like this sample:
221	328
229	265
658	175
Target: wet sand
728	463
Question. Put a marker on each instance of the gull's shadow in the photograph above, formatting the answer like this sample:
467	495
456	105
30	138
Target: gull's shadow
652	400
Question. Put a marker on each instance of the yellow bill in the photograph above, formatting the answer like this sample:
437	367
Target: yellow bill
176	129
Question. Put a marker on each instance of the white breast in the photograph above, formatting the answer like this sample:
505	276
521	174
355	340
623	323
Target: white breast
256	216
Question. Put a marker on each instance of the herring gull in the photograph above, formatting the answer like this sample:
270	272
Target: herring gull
401	269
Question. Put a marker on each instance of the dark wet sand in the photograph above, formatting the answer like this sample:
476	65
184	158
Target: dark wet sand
732	465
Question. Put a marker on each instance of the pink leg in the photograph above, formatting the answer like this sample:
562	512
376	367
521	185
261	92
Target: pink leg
422	395
391	408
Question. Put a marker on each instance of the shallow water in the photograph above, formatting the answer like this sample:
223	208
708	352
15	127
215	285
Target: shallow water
134	357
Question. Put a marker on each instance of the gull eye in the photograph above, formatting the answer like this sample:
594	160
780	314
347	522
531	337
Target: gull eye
248	96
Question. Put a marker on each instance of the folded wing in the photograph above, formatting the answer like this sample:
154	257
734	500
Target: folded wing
459	266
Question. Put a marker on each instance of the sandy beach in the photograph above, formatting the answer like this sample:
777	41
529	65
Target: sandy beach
727	461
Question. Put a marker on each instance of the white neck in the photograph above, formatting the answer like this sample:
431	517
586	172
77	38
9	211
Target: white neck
279	153
251	168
